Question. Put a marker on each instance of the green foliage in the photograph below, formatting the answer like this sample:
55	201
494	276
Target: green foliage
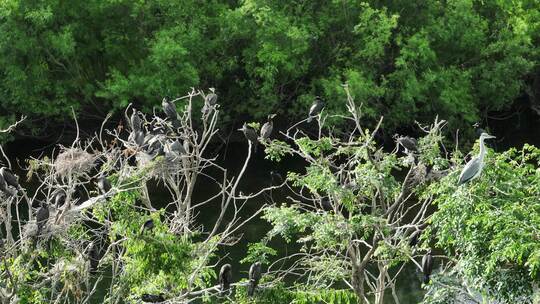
406	60
279	294
259	252
156	260
490	224
276	150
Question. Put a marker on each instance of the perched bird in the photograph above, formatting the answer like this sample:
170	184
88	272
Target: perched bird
42	216
151	298
4	187
137	137
427	265
409	143
211	99
177	147
267	128
315	108
473	168
136	122
413	240
103	184
9	177
169	108
478	130
225	278
250	134
276	178
254	277
148	225
326	204
59	198
94	253
155	144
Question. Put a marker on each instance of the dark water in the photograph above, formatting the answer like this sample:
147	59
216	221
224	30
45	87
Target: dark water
523	127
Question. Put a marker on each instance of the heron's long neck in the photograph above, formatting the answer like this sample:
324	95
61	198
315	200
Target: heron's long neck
482	149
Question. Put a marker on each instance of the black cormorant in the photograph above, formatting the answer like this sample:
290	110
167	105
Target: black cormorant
254	277
169	108
59	198
4	187
250	134
42	216
225	278
409	143
151	298
276	178
9	177
148	225
136	122
177	147
94	252
315	108
427	265
137	137
211	99
267	128
103	184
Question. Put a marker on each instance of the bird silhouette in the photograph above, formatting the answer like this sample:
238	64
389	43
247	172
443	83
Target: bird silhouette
315	108
254	277
225	278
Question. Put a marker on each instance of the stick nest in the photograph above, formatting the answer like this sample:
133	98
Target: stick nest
74	160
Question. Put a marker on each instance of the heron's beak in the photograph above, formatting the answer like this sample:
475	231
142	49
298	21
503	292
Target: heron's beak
491	136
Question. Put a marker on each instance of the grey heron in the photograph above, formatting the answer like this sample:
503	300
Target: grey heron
225	278
250	134
427	265
267	128
315	108
473	168
254	277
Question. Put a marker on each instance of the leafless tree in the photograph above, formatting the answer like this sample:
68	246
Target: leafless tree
172	152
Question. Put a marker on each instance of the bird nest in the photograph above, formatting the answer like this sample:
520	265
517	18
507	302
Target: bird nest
160	167
74	160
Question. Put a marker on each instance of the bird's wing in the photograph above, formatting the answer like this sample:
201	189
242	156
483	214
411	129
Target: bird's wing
470	170
312	109
266	130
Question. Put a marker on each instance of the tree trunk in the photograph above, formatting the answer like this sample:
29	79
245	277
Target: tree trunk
357	281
